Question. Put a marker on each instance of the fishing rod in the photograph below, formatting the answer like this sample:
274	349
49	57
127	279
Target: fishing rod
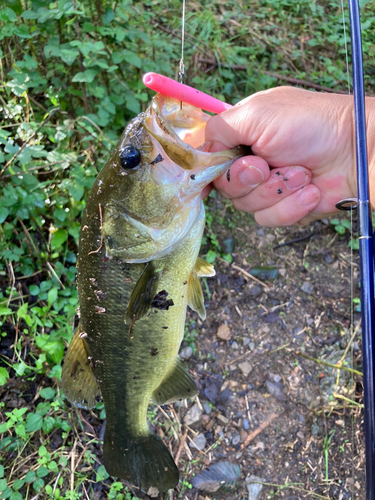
365	245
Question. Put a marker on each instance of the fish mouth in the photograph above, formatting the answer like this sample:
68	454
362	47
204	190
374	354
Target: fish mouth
179	129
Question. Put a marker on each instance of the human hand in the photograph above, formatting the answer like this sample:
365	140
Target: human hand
305	159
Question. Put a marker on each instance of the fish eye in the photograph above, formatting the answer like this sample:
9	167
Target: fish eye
130	157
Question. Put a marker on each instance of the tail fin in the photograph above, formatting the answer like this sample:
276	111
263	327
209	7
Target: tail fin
142	460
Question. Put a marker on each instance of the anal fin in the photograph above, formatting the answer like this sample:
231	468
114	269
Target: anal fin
143	293
177	385
77	379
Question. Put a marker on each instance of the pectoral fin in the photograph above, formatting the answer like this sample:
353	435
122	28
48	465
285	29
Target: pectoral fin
178	385
195	295
143	293
203	268
77	379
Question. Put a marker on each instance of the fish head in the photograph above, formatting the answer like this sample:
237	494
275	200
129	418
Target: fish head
160	167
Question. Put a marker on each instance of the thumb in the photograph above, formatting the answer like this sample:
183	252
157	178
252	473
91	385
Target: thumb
232	127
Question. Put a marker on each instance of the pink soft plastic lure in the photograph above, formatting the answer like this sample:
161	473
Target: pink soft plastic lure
181	92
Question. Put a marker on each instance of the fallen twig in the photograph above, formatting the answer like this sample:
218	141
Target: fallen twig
321	362
248	275
260	429
295	240
181	446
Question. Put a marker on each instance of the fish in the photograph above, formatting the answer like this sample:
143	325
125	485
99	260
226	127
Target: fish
138	269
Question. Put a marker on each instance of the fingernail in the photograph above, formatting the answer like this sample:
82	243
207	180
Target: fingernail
251	176
308	197
295	178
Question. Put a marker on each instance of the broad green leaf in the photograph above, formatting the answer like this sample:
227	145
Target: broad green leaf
7	14
132	58
6	493
30	476
52	296
18	483
4	375
34	289
101	474
34	422
47	393
133	105
42	471
59	237
85	76
4	212
48	424
4	311
38	483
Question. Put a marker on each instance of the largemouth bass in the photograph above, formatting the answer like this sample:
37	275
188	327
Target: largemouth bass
138	269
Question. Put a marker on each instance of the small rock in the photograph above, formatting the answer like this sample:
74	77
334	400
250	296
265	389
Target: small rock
327	258
246	424
315	429
301	435
207	407
307	287
198	442
275	391
234	345
225	396
277	378
254	488
211	392
223	332
186	353
153	492
223	420
246	340
236	439
260	445
245	368
252	346
193	415
260	232
233	384
255	290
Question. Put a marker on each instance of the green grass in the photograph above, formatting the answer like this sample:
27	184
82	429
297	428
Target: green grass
71	80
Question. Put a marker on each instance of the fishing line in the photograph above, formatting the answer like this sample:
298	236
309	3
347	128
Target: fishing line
182	65
181	68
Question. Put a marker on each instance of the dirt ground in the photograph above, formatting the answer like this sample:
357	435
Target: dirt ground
257	378
292	422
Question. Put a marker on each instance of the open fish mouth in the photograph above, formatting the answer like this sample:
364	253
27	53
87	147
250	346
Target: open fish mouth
179	129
